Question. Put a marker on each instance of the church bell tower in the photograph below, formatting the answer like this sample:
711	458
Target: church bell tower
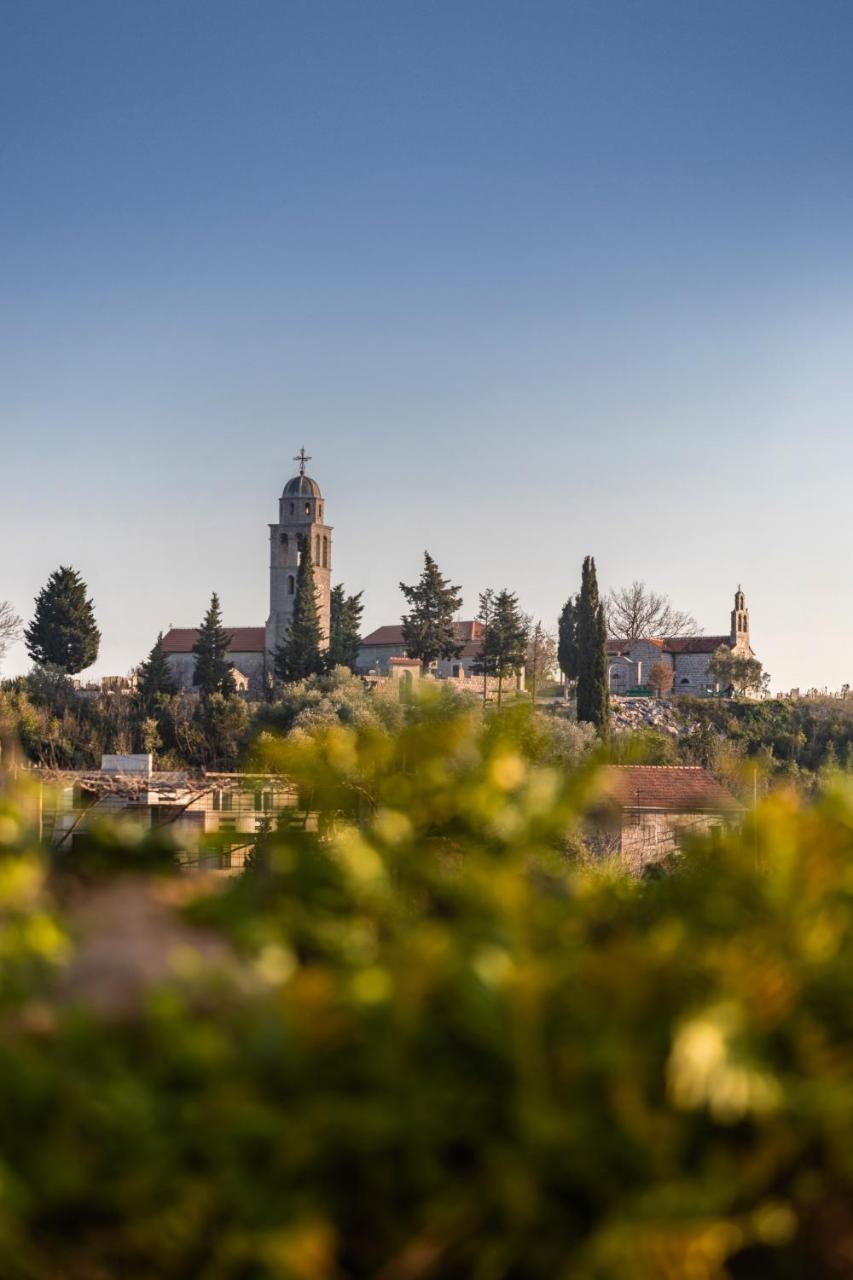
739	638
300	515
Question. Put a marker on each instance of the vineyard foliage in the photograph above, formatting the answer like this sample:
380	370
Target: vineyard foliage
421	1037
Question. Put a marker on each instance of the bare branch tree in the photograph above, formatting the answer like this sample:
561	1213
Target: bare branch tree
10	627
636	612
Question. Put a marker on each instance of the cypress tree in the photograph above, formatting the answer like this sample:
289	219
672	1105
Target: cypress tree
154	677
63	632
593	699
567	643
213	671
300	654
344	629
428	627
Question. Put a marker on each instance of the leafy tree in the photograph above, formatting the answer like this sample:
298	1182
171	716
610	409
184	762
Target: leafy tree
661	678
737	672
541	656
593	698
10	627
567	640
154	678
224	723
63	632
428	627
505	641
300	653
330	698
635	612
344	629
213	672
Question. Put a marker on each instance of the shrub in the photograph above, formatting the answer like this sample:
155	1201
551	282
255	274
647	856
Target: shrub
420	1041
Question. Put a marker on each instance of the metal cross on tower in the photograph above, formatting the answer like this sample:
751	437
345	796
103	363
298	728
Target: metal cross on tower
302	457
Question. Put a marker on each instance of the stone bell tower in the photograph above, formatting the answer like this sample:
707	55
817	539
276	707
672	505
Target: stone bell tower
739	638
300	515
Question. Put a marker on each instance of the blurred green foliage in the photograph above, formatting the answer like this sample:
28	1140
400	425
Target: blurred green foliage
418	1039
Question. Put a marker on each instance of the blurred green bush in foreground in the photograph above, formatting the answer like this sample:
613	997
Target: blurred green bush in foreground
424	1040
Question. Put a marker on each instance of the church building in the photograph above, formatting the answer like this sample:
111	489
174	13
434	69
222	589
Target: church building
301	514
630	661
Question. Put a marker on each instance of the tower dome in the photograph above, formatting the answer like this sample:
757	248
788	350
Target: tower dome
302	486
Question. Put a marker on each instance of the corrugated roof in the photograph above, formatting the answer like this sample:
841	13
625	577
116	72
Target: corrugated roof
243	639
671	788
393	635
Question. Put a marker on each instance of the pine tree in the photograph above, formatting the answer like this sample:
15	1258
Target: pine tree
593	698
507	638
213	671
428	628
344	629
154	677
63	632
300	653
567	643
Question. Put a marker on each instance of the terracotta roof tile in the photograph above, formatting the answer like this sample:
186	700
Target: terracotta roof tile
672	788
243	639
393	635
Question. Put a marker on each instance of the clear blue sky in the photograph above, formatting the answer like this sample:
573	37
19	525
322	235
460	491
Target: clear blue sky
529	280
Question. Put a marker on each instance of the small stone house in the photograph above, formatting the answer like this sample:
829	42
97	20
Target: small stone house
647	811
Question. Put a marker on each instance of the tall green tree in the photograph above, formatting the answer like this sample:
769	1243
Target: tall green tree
507	637
154	678
485	659
428	627
63	632
300	654
593	697
567	640
344	629
213	672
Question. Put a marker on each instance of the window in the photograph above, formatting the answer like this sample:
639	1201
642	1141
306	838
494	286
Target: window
284	540
227	801
307	508
292	507
456	669
317	549
291	584
684	680
325	553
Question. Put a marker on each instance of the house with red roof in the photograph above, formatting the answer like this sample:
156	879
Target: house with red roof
645	813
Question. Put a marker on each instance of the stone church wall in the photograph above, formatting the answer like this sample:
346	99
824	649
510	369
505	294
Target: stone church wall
251	665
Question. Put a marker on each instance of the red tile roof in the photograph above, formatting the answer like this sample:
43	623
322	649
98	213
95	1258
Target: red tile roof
671	788
243	639
695	644
393	635
671	644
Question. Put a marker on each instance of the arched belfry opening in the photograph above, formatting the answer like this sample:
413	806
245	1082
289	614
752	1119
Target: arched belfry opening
740	622
301	516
